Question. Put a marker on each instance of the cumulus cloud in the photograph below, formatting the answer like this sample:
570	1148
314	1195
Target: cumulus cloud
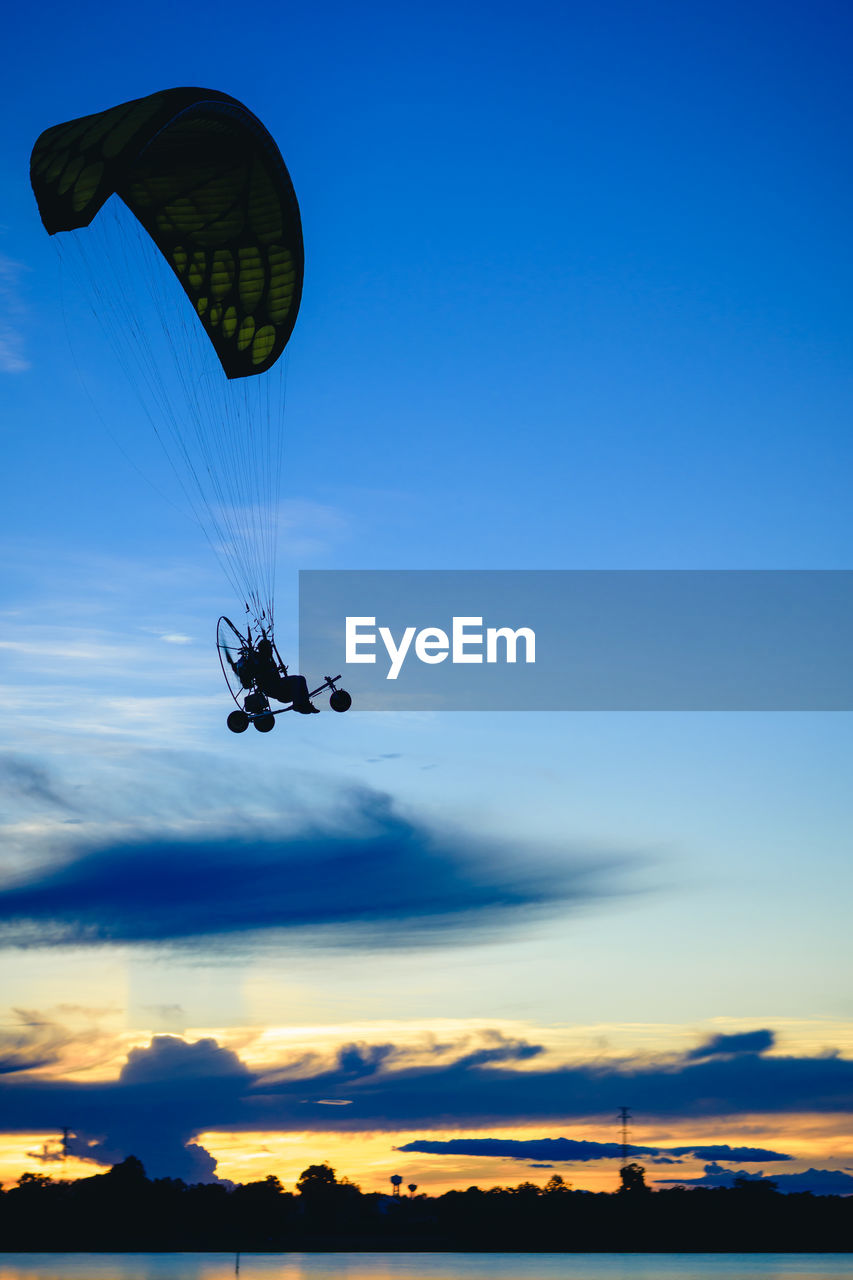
153	1110
173	1090
376	877
169	1058
474	1089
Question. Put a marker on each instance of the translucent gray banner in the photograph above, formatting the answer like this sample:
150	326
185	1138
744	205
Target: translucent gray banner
582	640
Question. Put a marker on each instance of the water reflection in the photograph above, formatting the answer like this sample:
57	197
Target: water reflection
426	1266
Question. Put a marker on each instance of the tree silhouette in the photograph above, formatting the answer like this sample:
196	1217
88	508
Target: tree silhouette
130	1173
526	1189
755	1186
34	1181
124	1210
317	1177
633	1179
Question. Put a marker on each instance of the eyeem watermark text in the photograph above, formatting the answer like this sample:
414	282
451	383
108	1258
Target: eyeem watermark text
582	640
467	642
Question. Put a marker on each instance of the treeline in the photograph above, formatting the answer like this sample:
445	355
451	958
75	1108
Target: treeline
125	1210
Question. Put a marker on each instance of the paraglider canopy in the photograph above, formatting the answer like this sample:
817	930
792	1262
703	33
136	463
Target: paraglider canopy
207	182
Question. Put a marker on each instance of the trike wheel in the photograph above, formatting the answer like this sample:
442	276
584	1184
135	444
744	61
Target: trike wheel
340	700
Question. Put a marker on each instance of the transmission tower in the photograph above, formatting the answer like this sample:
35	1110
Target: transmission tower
624	1119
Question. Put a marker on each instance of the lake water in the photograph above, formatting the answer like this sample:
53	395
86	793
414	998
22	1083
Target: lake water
427	1266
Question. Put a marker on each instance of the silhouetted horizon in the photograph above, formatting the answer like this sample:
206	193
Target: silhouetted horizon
123	1209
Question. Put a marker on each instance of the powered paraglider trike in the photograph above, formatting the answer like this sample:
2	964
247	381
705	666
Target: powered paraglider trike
181	229
255	674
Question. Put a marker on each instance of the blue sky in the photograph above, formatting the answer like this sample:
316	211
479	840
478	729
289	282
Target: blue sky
577	295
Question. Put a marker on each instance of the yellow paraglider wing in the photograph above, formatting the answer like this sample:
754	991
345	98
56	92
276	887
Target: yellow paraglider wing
207	182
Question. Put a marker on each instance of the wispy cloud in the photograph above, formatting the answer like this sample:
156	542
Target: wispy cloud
304	530
308	529
12	311
23	778
33	1041
370	877
738	1042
